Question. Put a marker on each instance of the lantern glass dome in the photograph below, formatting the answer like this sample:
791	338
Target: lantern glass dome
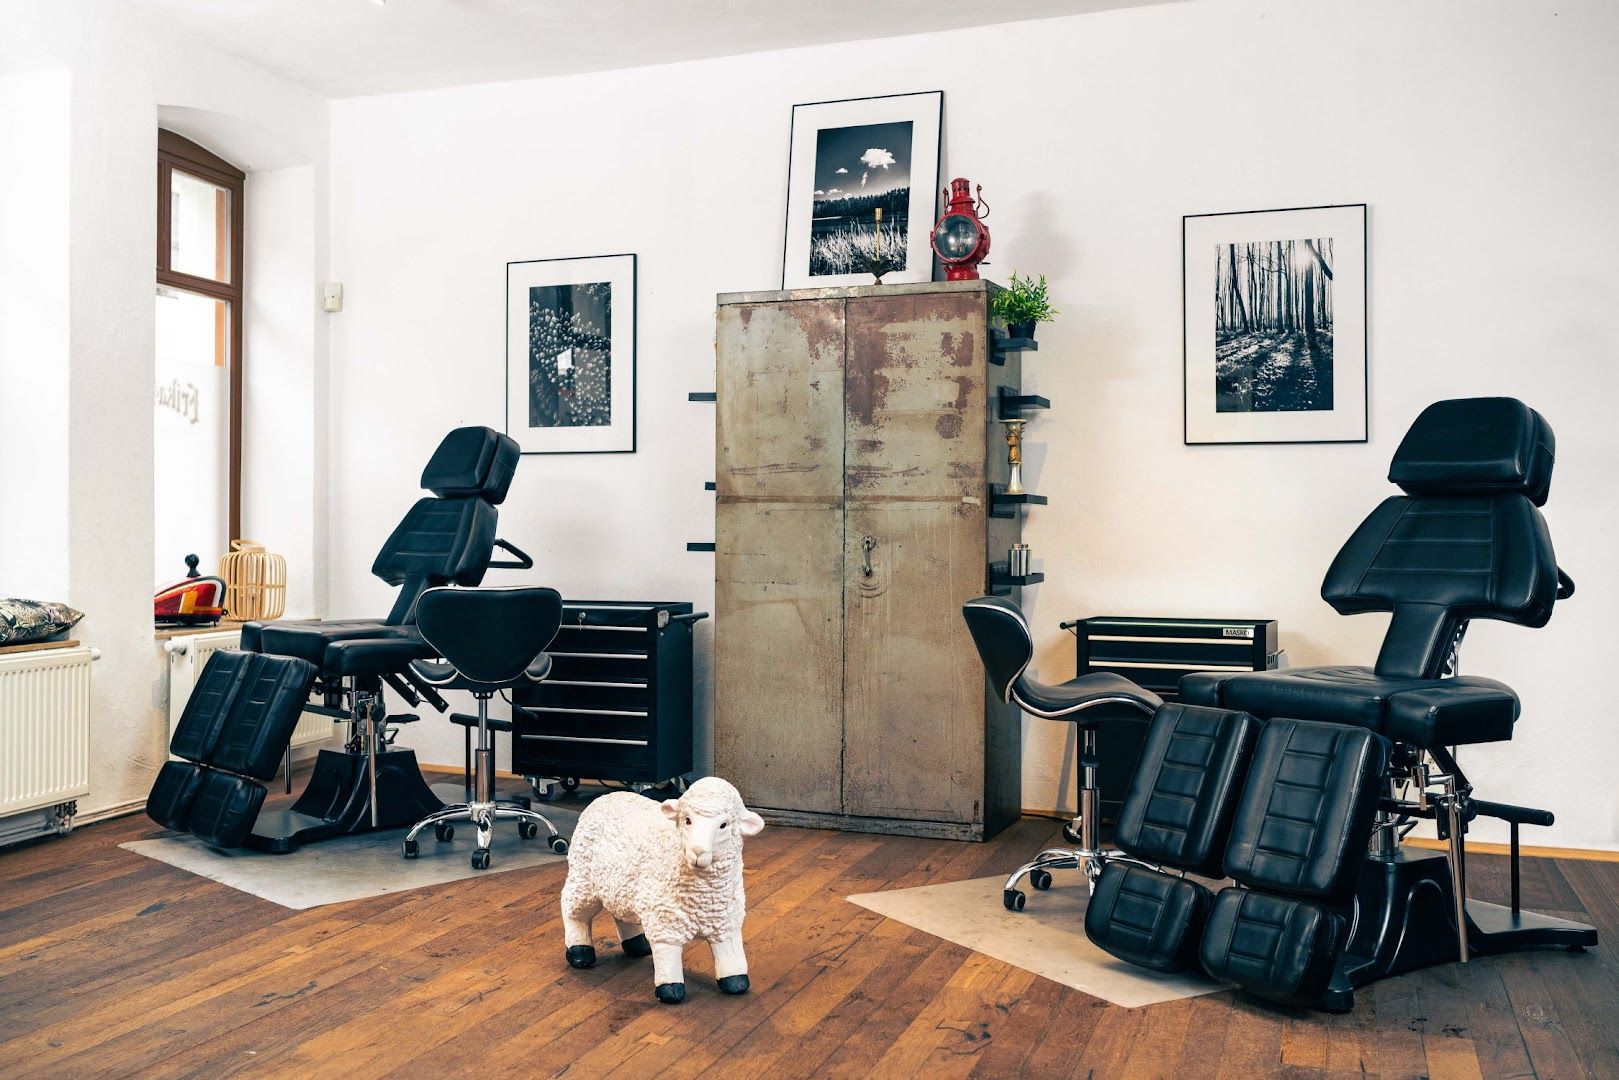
956	236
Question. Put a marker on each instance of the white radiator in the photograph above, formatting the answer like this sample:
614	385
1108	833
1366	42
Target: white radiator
187	655
44	740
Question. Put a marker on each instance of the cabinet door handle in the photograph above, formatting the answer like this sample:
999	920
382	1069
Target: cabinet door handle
866	544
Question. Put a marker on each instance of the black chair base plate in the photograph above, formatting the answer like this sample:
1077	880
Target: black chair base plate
336	801
1407	921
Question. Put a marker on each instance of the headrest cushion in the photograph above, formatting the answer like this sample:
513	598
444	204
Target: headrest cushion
472	461
1476	446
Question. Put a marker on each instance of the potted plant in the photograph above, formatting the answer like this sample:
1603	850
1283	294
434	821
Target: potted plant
1022	304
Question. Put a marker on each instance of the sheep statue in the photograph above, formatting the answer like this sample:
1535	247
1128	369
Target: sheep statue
667	873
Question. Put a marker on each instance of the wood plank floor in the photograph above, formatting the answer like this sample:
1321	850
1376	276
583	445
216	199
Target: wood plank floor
113	964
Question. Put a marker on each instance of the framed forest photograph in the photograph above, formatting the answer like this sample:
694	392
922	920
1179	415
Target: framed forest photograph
570	355
1275	325
862	186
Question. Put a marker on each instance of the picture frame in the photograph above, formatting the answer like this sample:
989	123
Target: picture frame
888	148
570	354
1274	326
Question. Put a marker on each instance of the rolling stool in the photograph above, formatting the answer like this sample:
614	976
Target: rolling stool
1006	646
491	640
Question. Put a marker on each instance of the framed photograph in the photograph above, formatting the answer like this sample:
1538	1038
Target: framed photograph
570	355
862	188
1275	325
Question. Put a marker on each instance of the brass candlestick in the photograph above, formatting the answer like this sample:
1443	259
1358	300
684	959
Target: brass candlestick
877	266
1014	455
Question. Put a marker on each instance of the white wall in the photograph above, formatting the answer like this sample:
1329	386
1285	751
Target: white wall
1478	132
34	180
122	70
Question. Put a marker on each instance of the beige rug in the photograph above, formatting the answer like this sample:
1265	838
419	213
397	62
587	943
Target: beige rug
353	867
1047	937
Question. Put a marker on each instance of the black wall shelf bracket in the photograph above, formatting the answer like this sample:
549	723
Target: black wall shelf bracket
702	395
694	546
1013	403
1002	505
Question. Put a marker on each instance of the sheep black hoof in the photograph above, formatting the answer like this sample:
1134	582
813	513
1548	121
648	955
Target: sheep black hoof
734	984
637	946
671	993
581	956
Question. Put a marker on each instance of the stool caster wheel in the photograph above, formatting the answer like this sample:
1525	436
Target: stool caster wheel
1069	834
1040	879
544	790
443	832
527	830
559	845
480	859
1013	899
410	849
570	784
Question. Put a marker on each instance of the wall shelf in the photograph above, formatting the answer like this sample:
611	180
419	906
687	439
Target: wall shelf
696	546
1002	505
1013	404
1000	581
702	395
709	485
1000	345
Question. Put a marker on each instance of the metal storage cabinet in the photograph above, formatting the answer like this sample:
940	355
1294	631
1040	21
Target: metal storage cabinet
844	697
617	704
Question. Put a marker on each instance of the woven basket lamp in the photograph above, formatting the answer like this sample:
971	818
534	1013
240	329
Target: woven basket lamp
255	582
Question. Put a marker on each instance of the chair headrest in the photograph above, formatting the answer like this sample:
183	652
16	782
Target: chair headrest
472	462
1476	446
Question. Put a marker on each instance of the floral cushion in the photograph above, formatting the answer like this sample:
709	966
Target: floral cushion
34	620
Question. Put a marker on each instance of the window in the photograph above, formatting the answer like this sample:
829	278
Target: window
198	399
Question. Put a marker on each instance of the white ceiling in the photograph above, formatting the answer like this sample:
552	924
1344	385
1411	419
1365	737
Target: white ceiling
345	48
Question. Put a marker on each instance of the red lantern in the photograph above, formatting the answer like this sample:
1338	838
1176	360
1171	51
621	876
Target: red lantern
961	239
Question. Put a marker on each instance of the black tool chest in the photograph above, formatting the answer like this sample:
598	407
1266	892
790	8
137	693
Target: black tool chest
617	704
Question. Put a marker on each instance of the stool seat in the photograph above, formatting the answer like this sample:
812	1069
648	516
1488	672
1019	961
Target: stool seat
1089	699
1419	712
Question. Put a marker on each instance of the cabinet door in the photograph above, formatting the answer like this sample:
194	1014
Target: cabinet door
914	483
913	726
778	570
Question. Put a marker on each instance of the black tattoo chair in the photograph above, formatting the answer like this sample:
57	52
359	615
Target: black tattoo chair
1006	646
1347	757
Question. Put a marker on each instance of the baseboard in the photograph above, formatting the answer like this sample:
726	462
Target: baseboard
107	813
1476	847
457	770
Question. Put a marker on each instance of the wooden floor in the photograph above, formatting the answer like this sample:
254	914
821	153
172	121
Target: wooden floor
113	964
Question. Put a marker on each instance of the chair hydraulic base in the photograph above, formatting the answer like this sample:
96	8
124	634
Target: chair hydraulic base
483	811
337	801
1405	920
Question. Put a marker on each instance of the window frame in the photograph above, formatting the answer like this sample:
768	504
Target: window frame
175	152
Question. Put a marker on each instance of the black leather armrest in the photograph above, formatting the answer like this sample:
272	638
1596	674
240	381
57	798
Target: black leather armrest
374	656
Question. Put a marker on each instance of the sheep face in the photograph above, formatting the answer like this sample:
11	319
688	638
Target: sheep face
711	821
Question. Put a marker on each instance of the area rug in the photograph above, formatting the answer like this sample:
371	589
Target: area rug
1047	937
353	867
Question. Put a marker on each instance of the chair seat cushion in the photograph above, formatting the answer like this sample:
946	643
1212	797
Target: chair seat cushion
307	640
1422	712
374	656
443	676
1098	696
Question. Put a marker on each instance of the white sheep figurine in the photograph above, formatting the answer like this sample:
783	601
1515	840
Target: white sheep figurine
667	873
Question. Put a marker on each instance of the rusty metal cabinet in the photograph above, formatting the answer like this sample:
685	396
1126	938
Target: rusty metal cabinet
856	453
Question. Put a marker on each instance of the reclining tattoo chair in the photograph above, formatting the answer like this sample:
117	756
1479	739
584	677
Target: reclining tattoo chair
342	666
1281	780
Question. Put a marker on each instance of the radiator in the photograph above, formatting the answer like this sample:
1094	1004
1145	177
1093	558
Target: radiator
187	655
44	740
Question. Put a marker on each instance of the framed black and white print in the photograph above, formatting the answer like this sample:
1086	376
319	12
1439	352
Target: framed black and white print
1275	325
862	188
570	355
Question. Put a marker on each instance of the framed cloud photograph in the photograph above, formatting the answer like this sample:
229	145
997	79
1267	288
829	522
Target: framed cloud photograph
1275	325
862	187
570	355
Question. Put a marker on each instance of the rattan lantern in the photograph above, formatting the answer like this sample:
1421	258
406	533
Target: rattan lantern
255	582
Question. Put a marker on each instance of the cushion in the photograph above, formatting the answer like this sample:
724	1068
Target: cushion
472	461
1180	801
1277	947
1307	808
1146	917
1477	446
23	621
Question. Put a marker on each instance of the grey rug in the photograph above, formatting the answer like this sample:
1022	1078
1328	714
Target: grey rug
1047	937
354	867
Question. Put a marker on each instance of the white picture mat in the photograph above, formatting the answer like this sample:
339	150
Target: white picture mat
924	111
1346	225
619	270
